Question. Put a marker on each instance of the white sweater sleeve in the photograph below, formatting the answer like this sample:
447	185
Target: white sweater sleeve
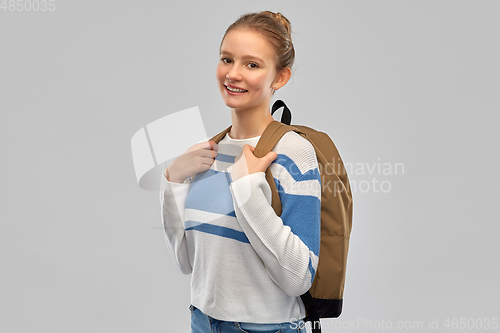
172	199
287	245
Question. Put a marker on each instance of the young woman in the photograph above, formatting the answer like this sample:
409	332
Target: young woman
248	265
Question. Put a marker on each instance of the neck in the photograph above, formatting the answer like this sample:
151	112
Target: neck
249	123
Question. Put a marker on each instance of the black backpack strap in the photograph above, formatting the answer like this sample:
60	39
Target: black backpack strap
286	116
312	313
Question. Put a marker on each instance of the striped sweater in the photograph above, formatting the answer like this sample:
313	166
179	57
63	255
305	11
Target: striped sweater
247	263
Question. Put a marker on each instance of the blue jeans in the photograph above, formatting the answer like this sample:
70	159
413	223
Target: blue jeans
201	323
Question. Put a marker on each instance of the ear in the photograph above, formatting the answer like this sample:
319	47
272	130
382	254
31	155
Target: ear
282	77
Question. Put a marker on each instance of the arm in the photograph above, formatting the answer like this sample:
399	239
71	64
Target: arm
172	199
288	245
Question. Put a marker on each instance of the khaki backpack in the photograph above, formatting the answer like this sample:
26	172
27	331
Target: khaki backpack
324	298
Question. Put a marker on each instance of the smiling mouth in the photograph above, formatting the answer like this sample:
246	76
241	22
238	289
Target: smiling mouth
233	90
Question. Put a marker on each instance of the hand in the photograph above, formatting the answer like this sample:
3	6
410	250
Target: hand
247	163
198	158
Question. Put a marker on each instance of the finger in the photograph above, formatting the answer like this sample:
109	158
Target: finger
208	145
207	160
213	145
209	148
248	148
208	153
204	145
271	156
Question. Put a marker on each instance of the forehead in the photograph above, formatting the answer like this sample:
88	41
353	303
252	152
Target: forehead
240	42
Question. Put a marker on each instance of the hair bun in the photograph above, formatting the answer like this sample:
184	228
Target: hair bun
284	22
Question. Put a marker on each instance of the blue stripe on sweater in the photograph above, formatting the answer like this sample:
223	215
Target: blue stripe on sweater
293	170
311	269
218	230
225	158
297	213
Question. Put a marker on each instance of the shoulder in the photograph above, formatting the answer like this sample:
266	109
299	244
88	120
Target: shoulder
296	151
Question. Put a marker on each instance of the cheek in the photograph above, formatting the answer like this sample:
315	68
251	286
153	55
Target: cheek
258	82
219	74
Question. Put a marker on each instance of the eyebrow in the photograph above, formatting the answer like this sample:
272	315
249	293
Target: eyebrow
248	56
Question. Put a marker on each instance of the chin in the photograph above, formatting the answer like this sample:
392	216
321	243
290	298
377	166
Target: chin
231	104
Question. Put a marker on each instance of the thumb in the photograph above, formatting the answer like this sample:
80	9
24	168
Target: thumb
271	156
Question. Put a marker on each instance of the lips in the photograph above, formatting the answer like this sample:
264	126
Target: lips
235	89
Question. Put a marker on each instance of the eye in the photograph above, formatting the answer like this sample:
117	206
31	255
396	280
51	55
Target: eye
225	60
254	64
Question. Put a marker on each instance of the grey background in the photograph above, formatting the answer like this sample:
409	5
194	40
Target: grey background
412	82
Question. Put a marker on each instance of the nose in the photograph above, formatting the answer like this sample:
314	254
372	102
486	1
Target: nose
233	74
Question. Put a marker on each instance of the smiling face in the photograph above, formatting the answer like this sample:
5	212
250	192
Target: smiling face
247	62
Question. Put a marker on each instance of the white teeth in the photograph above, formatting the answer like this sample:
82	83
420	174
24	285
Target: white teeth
235	90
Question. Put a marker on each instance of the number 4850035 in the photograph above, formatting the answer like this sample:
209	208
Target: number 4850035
471	323
28	5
